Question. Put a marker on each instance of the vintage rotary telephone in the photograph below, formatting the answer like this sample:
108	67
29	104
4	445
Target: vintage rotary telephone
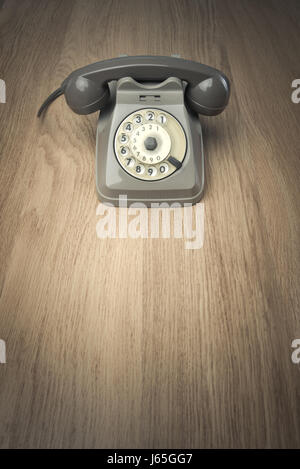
149	139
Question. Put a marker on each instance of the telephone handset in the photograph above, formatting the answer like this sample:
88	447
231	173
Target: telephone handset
149	139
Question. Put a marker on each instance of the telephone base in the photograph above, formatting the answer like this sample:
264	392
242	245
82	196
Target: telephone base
184	181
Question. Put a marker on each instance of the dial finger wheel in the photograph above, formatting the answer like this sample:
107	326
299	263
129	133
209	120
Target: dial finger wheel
150	144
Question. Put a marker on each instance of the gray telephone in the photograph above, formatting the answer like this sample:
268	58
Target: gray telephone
149	139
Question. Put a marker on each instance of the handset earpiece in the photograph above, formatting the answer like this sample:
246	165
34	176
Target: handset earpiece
210	96
84	95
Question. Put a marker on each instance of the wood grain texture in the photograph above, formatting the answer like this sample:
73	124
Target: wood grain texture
128	343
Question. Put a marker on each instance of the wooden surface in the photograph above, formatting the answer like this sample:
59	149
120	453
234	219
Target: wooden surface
142	343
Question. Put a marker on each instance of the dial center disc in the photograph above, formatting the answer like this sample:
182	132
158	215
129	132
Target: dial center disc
150	143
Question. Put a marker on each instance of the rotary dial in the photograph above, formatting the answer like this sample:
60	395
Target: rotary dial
150	144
